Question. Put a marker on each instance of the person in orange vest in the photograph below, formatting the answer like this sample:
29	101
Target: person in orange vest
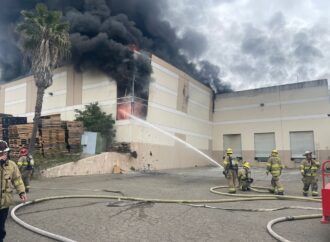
10	178
25	164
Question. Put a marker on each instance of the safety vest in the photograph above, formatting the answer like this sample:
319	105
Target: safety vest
309	168
274	165
24	162
10	178
230	163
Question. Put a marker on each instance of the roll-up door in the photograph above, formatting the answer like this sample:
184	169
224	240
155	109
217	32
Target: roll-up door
233	141
264	143
300	142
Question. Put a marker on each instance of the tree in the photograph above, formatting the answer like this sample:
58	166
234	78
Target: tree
45	38
95	120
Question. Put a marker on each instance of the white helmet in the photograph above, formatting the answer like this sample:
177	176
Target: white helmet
4	146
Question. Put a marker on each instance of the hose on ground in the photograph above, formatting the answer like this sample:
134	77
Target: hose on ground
35	229
236	198
253	209
288	218
280	197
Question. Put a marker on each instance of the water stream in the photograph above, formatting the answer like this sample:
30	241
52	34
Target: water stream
176	139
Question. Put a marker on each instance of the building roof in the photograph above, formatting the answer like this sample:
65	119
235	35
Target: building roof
285	87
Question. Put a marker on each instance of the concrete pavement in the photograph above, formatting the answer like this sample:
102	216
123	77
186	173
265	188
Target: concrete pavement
95	220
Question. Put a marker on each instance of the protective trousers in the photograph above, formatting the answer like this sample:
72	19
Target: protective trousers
26	176
3	217
310	181
276	185
231	179
244	184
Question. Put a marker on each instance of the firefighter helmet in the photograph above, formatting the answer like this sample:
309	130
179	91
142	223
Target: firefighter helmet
246	164
4	146
23	151
307	152
274	152
229	151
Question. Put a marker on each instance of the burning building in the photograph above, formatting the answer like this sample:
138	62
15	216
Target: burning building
292	118
108	68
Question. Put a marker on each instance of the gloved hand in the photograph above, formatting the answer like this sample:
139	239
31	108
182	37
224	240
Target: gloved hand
23	196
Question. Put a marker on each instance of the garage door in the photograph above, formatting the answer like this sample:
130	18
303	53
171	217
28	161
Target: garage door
233	141
300	142
264	143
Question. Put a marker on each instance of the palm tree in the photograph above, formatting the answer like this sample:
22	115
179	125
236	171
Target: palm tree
45	38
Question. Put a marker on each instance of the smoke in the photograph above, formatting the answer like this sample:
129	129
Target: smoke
103	34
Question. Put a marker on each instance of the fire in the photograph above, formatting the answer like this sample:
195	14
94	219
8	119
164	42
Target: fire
127	107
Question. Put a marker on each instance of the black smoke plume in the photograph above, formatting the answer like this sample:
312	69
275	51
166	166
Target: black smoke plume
103	35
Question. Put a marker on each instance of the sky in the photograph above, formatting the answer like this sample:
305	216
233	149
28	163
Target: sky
258	43
226	44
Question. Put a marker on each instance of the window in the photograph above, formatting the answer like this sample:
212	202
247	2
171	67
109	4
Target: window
233	141
300	142
264	143
127	106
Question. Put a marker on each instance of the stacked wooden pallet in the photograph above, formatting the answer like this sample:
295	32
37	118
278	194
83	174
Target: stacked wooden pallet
52	134
20	136
74	131
6	121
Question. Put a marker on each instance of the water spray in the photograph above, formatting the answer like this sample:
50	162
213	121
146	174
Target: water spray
173	137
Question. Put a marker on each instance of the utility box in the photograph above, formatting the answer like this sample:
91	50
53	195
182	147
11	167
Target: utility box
93	143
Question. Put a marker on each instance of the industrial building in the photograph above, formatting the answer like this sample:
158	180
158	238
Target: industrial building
291	118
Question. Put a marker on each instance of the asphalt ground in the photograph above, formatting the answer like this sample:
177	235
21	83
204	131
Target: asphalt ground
94	220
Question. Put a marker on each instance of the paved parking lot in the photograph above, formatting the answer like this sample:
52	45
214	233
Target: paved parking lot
101	220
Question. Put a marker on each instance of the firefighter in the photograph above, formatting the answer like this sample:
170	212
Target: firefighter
10	178
309	168
230	170
274	167
244	177
25	164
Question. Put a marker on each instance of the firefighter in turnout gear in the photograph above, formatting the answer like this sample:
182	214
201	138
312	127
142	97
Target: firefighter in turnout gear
274	167
25	164
10	179
230	170
244	177
309	168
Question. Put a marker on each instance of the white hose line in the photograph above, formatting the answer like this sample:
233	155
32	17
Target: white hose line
253	209
279	197
289	218
64	239
61	238
35	229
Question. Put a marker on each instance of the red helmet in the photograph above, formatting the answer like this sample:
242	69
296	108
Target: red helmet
23	151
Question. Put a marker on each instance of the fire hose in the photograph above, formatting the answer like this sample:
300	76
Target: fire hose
196	203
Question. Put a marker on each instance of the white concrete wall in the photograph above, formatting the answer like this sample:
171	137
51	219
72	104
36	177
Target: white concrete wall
55	95
99	164
283	109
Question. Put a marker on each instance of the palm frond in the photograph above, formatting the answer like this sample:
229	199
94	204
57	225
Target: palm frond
45	41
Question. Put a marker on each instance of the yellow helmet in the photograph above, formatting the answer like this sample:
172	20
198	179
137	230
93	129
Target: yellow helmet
274	152
229	151
246	164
